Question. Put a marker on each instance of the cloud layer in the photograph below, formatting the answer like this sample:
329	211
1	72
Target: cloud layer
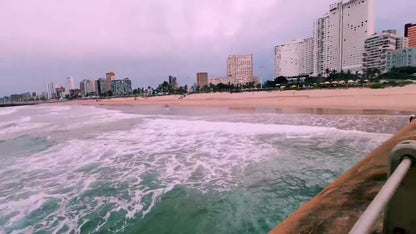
148	40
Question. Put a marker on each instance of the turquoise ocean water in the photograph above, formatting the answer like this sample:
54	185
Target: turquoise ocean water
83	169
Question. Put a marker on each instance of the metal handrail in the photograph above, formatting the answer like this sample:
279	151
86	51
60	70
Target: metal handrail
369	217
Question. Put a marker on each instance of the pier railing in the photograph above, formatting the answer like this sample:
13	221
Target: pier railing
397	197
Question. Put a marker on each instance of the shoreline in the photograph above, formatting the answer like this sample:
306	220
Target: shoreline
18	104
352	100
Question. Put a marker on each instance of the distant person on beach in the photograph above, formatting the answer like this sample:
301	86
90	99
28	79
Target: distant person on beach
412	117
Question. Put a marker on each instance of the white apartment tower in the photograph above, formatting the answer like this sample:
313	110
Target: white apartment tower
69	85
347	26
294	58
50	90
321	46
240	69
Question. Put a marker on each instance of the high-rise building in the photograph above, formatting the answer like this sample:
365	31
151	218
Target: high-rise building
110	76
344	31
121	87
101	86
69	83
321	46
410	33
240	69
50	91
401	58
376	49
88	87
294	58
202	79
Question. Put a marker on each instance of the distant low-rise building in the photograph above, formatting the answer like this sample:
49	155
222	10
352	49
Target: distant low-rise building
26	96
75	93
15	98
401	58
256	80
220	80
121	87
1	100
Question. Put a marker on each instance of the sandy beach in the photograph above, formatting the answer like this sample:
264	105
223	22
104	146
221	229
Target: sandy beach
395	98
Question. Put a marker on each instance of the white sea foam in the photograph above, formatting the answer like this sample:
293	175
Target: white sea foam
7	110
200	154
20	126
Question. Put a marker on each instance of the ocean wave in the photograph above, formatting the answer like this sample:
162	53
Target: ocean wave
127	172
7	110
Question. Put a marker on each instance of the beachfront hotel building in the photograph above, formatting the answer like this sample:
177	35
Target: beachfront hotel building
121	87
110	76
377	47
88	87
341	35
240	69
294	58
101	86
201	79
401	58
410	33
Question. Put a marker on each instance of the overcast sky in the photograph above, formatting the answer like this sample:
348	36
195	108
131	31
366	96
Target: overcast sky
148	40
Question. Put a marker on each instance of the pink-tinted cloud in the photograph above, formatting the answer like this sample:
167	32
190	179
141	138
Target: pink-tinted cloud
85	38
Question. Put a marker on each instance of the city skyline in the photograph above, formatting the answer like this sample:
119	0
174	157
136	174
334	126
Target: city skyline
181	38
